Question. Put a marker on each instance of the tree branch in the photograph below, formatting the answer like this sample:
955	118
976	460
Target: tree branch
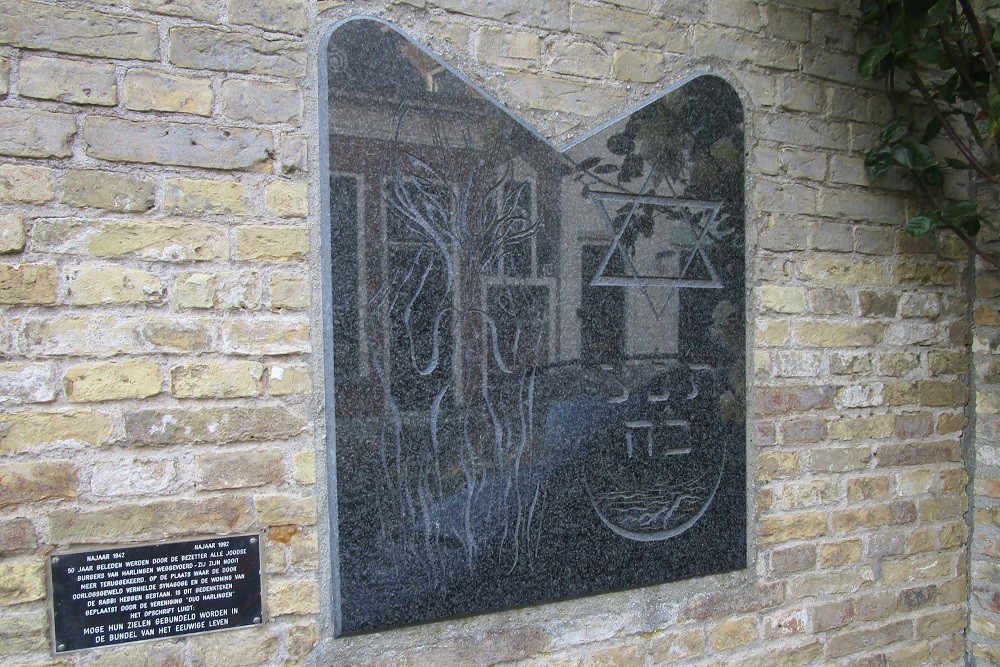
950	131
984	46
957	231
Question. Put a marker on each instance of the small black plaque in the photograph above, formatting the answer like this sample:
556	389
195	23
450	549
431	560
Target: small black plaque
115	596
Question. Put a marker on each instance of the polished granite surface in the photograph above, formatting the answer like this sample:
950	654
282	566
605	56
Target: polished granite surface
538	356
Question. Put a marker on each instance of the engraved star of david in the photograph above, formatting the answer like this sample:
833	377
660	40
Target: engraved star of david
631	276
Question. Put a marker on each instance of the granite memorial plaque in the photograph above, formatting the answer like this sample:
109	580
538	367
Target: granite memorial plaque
536	355
120	595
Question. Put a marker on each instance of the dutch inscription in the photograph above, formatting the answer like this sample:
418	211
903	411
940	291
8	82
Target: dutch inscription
135	593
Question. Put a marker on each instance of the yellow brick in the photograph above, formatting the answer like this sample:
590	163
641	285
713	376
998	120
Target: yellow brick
861	428
850	520
771	333
265	337
777	465
797	495
845	271
28	185
24	430
673	645
92	285
283	380
818	333
778	299
22	483
507	47
158	242
732	634
225	290
235	470
109	381
305	466
27	284
71	81
840	553
292	596
286	199
149	90
784	527
272	244
285	510
205	196
289	290
21	581
110	191
638	66
239	648
921	567
221	379
12	236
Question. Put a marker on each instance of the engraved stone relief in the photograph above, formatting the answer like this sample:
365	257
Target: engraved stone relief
538	385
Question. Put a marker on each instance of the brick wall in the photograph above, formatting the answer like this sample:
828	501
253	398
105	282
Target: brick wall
159	366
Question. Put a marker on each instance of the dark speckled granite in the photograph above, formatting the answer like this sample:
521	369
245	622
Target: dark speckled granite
538	356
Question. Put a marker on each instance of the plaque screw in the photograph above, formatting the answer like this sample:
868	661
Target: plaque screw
55	559
256	619
253	540
61	647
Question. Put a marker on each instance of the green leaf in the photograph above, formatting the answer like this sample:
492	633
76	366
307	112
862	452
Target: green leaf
877	162
957	210
955	163
913	155
972	225
896	129
871	58
933	176
920	225
932	130
939	12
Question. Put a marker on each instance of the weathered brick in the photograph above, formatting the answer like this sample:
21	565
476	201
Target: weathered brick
874	516
27	284
176	335
508	48
302	639
265	337
4	76
939	394
186	145
280	510
272	243
225	290
733	634
843	270
289	290
12	237
548	93
898	570
148	654
839	459
27	383
838	554
292	596
304	466
820	333
868	488
207	48
781	299
738	601
792	559
111	191
233	649
577	59
89	285
739	46
283	380
71	81
28	185
286	199
862	428
778	465
782	400
22	483
831	582
925	273
150	90
160	241
260	102
166	426
803	494
792	526
24	632
131	476
205	10
157	520
219	379
21	581
25	430
238	470
34	25
516	12
109	381
205	196
918	453
638	66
